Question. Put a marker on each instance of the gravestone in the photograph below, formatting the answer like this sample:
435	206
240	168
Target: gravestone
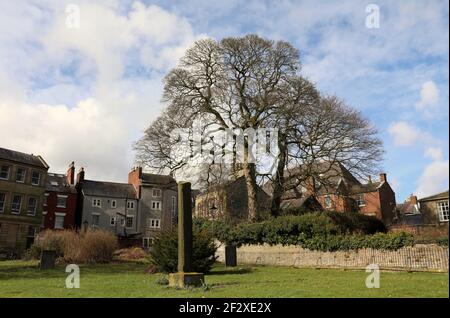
185	277
230	256
48	259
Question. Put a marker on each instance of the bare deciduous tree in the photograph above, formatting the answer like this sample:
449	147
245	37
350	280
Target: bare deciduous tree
250	83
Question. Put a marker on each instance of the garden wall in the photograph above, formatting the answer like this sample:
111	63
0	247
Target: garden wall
428	257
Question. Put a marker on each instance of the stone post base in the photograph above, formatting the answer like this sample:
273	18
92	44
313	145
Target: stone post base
182	280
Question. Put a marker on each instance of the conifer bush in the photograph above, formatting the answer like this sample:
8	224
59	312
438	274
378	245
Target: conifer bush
164	251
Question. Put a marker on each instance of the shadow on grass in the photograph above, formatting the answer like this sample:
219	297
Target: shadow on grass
234	271
33	271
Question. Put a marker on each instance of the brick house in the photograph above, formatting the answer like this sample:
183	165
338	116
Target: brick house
228	201
343	192
59	208
22	187
434	208
158	202
110	206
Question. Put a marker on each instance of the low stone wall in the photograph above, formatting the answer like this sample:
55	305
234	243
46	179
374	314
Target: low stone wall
428	257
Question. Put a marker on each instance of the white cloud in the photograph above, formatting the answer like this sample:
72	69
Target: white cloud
406	134
86	94
434	153
434	178
429	98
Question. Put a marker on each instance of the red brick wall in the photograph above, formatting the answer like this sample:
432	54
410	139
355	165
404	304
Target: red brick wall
372	206
134	178
69	210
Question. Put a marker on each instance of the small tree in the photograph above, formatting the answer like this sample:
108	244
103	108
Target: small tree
164	251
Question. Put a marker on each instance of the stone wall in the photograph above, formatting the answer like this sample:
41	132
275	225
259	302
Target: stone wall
418	258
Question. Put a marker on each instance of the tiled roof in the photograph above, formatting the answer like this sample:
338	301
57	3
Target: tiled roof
58	183
408	208
21	157
108	189
438	196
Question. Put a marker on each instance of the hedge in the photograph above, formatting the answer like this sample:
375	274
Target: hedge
315	231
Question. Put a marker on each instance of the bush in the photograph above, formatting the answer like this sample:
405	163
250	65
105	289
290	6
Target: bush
324	231
287	229
92	246
354	222
164	251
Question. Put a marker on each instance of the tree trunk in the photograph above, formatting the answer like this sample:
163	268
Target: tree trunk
278	183
250	180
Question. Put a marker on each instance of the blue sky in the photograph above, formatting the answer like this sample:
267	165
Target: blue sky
86	93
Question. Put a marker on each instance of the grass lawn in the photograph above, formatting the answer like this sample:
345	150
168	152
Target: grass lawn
23	279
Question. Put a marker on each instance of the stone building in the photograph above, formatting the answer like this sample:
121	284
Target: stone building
109	206
158	202
434	209
228	201
22	187
59	208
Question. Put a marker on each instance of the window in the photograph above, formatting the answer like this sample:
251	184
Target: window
156	205
35	178
145	242
113	204
174	205
61	201
2	201
31	231
154	223
327	201
59	220
32	205
96	202
20	175
156	193
4	172
360	200
443	211
129	221
130	205
16	204
46	198
95	220
112	221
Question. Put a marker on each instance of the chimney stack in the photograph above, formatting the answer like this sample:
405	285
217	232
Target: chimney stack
70	175
370	179
134	178
80	175
413	199
383	177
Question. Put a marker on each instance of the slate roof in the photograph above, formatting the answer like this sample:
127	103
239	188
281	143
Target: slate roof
58	183
108	189
438	196
159	179
411	219
21	157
